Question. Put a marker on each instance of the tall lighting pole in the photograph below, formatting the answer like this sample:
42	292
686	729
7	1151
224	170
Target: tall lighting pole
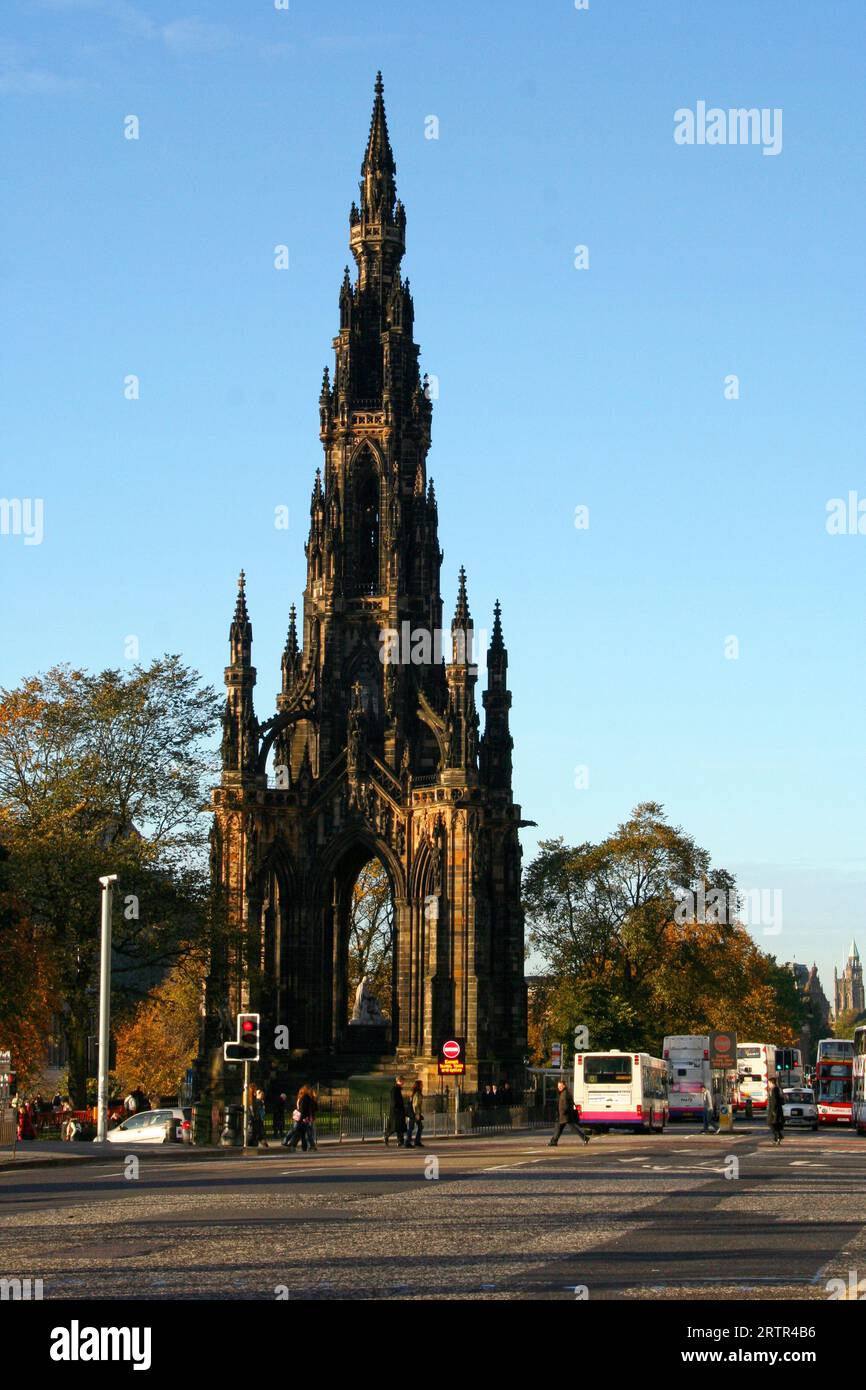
108	883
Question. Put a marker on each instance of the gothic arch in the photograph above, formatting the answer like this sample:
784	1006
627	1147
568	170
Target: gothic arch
367	489
361	844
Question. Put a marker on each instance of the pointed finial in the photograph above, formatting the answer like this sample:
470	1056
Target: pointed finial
380	86
496	642
241	614
292	638
462	616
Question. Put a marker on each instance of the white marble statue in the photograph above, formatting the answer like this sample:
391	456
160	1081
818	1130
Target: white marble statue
366	1010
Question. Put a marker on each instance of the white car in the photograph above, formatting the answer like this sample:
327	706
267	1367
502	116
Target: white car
799	1107
168	1126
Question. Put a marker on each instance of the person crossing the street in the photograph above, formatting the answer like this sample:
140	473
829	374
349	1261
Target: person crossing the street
565	1115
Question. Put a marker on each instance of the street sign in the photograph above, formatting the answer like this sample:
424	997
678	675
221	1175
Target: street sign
452	1057
581	1037
5	1061
723	1051
556	1055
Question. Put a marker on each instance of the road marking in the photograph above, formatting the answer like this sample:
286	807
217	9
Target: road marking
497	1167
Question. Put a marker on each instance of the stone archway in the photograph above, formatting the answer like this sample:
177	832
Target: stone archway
337	879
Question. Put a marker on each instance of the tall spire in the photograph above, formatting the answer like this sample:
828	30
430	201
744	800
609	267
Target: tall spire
239	744
496	641
378	190
462	626
241	630
377	230
461	613
292	638
497	743
291	656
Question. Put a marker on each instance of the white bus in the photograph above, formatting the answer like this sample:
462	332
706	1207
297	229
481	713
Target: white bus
858	1082
621	1090
689	1070
756	1068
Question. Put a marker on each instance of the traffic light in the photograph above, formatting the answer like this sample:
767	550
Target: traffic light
245	1048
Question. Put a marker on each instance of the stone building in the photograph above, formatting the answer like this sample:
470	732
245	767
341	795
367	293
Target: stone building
817	1022
848	987
373	747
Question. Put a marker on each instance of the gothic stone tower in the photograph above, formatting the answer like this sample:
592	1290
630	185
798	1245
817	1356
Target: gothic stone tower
374	749
848	987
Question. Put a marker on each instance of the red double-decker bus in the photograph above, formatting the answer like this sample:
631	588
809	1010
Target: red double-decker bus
833	1081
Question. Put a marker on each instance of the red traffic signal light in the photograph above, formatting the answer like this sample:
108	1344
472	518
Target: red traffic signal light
245	1048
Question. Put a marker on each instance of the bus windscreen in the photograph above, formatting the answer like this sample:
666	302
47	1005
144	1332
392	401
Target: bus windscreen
834	1090
607	1071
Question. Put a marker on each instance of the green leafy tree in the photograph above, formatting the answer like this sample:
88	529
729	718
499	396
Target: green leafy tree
105	774
625	958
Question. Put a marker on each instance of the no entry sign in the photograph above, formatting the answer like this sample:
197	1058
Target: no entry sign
452	1057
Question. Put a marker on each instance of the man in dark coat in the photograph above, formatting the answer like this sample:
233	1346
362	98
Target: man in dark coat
396	1122
565	1115
776	1111
278	1110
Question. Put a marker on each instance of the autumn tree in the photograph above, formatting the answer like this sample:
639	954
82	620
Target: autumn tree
26	986
105	774
625	958
371	934
157	1044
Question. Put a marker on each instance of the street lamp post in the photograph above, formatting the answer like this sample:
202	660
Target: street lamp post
108	883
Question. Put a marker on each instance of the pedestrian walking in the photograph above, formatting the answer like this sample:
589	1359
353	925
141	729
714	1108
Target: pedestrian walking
396	1122
776	1112
279	1115
257	1118
313	1098
26	1128
565	1115
415	1116
301	1116
707	1108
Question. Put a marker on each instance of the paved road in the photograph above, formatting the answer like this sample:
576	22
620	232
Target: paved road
626	1217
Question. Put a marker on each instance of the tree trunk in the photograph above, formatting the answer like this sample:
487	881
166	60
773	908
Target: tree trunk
76	1029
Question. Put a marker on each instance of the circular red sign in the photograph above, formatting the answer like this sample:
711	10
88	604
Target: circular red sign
451	1050
723	1044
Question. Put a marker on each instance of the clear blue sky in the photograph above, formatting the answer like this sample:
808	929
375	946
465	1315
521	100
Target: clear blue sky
559	387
